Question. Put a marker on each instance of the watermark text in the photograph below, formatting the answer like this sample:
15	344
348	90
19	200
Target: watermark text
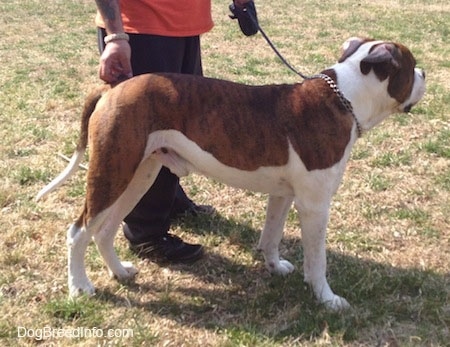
49	333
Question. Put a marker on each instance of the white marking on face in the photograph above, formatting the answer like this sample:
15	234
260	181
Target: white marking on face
417	92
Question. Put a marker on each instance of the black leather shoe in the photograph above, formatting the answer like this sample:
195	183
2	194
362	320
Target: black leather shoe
169	248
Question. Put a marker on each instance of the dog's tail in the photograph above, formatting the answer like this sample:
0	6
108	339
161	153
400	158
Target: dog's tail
88	109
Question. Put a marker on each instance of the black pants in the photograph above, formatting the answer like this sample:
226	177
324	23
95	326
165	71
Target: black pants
151	53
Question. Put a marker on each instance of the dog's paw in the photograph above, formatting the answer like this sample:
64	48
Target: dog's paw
282	267
325	295
78	289
127	272
336	304
131	270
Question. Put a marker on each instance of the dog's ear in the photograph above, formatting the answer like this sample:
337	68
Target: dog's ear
350	46
382	58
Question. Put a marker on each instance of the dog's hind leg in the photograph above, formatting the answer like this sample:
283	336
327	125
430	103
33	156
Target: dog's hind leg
78	238
313	222
104	239
277	209
142	180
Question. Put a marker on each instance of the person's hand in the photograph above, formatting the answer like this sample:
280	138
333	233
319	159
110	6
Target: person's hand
240	3
115	63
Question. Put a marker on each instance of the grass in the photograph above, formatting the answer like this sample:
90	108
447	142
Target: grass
388	237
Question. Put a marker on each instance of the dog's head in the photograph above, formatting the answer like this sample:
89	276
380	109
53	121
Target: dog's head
390	83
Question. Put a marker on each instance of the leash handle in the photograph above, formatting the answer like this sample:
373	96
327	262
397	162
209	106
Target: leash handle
246	17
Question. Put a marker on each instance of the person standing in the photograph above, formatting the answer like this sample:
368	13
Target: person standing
145	36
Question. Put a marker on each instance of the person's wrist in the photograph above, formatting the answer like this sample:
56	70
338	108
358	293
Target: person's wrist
116	37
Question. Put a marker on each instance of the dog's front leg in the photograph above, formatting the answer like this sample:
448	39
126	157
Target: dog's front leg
78	239
313	222
277	209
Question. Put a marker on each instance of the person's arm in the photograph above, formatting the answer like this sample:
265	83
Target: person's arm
110	12
115	60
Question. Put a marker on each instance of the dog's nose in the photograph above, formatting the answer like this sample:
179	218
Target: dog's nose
423	73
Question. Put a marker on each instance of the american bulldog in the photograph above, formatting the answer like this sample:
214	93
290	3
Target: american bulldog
289	141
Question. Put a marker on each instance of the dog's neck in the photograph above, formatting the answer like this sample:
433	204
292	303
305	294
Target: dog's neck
329	76
365	97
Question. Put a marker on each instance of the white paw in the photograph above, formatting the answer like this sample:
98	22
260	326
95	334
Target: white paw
336	304
127	272
80	289
131	270
282	267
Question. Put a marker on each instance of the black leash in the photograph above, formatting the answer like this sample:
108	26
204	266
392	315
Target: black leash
248	22
345	102
252	15
279	54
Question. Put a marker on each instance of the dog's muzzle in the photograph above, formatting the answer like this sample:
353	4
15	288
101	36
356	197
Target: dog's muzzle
417	95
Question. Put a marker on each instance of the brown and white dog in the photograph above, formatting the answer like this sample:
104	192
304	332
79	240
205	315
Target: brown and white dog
290	141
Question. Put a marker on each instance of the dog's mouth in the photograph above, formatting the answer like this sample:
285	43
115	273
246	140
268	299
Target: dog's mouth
408	108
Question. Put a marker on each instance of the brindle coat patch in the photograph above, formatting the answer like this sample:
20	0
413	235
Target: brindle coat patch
263	121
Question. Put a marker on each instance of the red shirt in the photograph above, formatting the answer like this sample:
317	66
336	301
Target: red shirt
181	18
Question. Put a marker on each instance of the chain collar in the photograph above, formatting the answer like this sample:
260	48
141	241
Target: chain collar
345	102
